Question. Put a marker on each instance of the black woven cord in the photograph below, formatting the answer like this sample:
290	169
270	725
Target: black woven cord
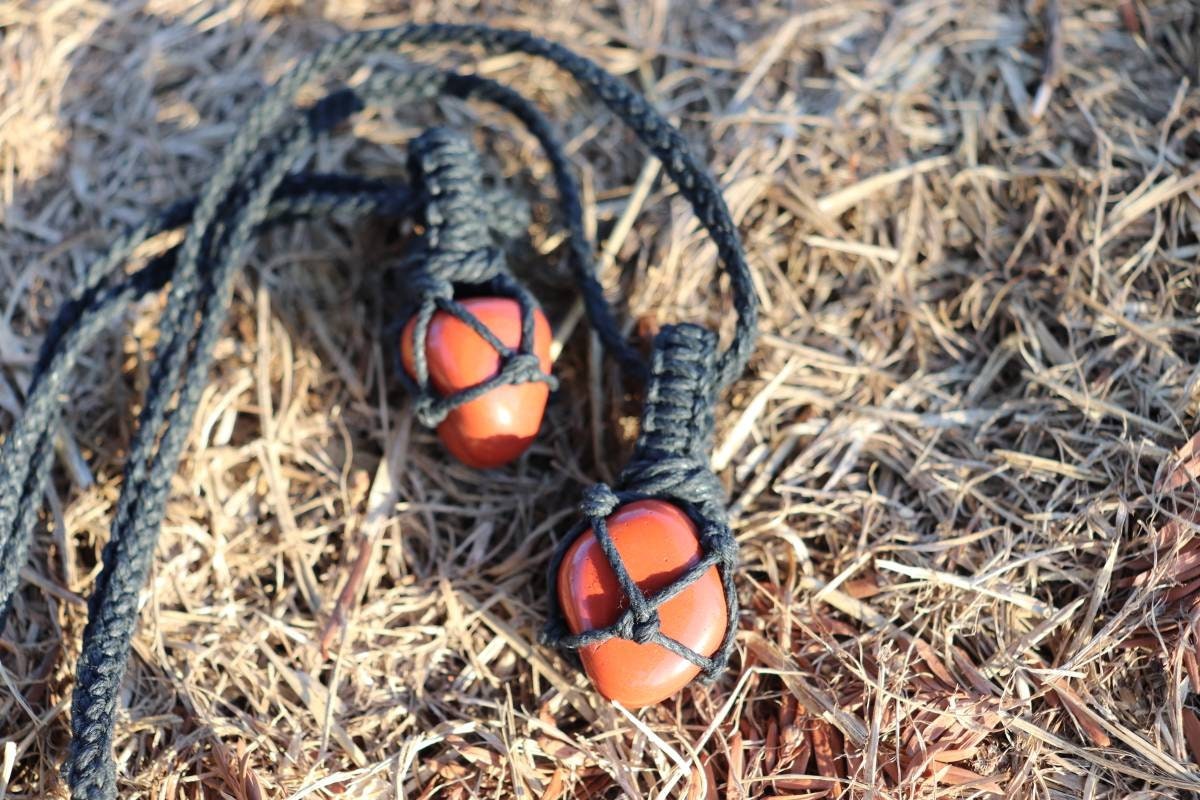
253	186
28	448
458	247
216	243
670	462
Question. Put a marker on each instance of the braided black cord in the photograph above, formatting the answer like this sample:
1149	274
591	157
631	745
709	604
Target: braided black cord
199	298
249	188
27	451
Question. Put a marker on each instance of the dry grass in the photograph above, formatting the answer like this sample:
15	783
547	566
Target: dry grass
974	230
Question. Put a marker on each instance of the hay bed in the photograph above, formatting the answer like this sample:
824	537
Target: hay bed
974	230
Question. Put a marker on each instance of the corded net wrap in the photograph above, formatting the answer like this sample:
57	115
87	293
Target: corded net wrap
670	462
259	183
458	247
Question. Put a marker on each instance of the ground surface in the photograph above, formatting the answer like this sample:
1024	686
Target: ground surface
974	234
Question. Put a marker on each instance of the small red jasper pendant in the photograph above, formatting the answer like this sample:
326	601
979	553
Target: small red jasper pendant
497	427
658	543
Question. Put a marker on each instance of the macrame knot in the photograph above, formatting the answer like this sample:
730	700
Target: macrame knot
598	502
685	479
430	286
638	627
670	458
428	410
522	367
678	413
450	265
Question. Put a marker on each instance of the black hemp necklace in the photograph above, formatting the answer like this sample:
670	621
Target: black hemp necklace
253	188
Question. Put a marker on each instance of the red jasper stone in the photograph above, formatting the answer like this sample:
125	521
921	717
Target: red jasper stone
493	429
658	543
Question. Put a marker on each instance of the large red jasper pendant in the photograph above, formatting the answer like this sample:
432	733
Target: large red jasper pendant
658	543
499	426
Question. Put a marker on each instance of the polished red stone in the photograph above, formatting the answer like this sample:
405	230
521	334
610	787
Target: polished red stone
658	543
494	429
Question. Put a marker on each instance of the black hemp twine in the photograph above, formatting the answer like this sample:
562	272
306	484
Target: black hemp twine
255	186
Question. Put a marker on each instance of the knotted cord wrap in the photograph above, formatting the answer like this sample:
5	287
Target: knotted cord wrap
458	247
256	186
670	462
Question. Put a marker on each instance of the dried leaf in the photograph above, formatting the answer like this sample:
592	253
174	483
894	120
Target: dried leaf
1191	732
950	775
827	746
737	766
556	787
1082	715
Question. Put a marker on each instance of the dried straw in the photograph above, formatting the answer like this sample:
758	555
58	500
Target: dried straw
974	228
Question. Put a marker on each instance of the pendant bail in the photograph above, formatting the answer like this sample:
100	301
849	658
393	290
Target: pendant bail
671	456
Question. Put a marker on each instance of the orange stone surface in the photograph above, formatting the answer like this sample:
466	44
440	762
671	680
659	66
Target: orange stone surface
658	542
494	429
